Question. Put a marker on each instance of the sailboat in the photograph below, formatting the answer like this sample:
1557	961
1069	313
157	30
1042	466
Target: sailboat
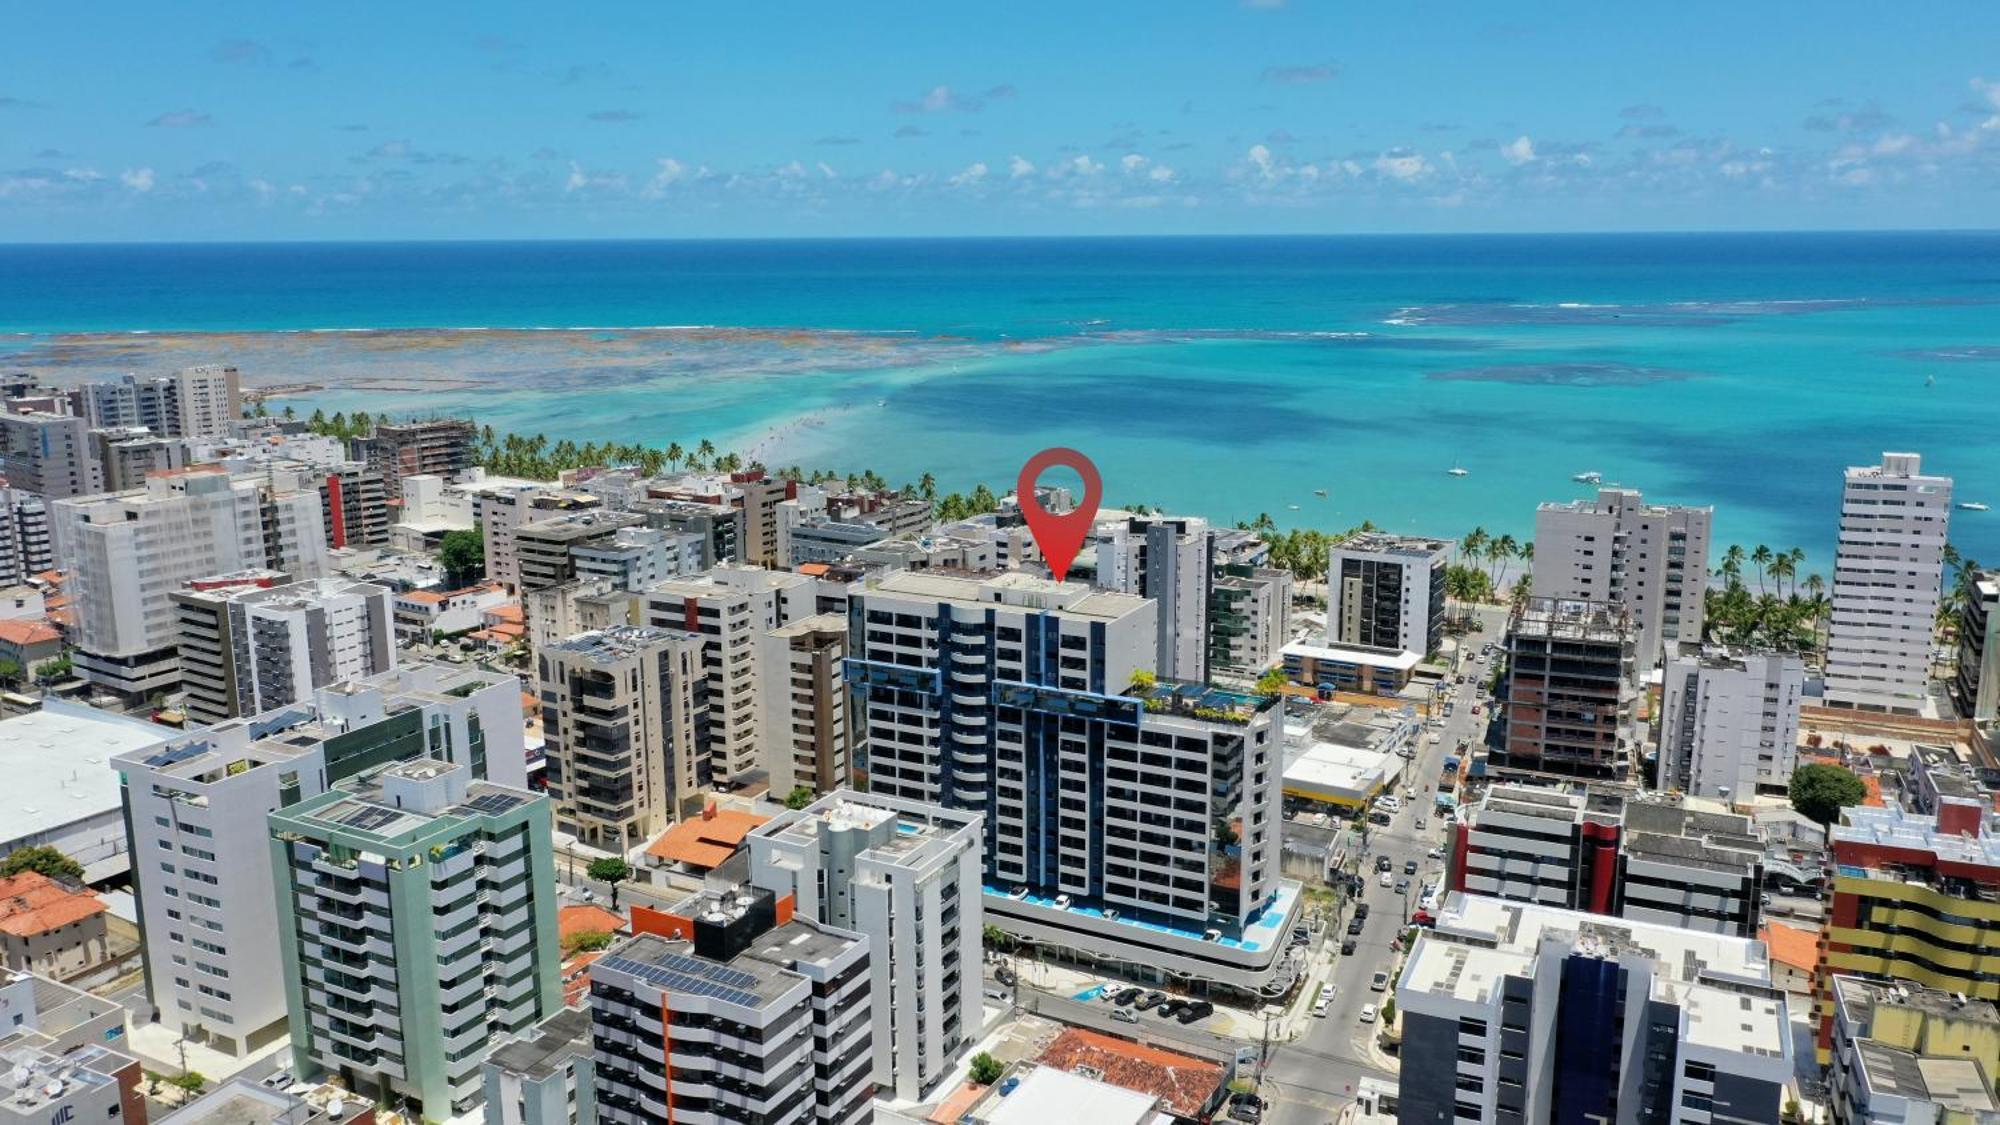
1459	471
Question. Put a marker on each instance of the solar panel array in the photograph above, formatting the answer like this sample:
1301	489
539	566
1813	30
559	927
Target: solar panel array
368	818
686	982
494	803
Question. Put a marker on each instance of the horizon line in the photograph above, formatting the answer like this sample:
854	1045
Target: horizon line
1073	237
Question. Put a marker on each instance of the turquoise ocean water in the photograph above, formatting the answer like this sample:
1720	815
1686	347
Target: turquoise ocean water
1222	376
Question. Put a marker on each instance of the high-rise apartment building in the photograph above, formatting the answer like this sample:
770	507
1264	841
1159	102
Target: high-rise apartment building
546	548
1652	559
49	455
1570	690
194	402
1249	618
544	1076
803	699
1729	723
128	456
906	875
1914	898
1886	584
619	714
250	648
1976	687
636	557
731	607
731	1008
1387	592
27	547
1167	559
353	505
127	553
1132	822
1646	859
750	492
437	446
195	809
1541	1014
501	509
416	922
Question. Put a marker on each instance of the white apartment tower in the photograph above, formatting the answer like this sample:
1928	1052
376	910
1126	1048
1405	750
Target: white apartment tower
1729	722
1650	558
620	708
248	649
26	546
49	455
195	807
194	402
1168	560
127	553
906	875
1387	592
1887	575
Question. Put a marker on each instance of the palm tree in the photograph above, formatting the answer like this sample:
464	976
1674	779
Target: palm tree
1732	564
927	487
1761	559
705	450
1782	568
1506	548
1473	545
675	455
1797	555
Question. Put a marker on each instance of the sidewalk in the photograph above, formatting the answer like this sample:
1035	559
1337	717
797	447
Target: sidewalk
158	1048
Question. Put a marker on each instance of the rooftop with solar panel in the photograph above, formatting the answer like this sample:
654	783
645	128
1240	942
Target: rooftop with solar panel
399	800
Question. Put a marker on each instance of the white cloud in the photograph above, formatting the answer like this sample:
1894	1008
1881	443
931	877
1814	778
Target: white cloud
138	179
1132	162
1085	166
792	171
1402	165
827	171
1020	166
82	175
667	172
1261	157
1160	174
973	173
1518	151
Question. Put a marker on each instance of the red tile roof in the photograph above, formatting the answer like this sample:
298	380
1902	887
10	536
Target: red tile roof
1792	945
1185	1083
706	840
574	920
25	631
32	904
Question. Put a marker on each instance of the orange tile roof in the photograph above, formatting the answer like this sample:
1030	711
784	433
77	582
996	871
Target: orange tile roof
574	920
23	631
1792	945
32	904
423	597
1185	1083
576	976
506	612
813	569
706	840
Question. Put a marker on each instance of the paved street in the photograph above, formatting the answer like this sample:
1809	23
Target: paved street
1309	1080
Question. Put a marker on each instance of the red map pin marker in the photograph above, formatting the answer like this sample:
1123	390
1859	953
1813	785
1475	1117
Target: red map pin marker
1059	536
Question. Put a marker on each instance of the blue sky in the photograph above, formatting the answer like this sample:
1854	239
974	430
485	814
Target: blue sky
261	121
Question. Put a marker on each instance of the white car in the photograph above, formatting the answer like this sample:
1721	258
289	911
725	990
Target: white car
1388	879
1367	1013
1379	983
1326	992
1319	1009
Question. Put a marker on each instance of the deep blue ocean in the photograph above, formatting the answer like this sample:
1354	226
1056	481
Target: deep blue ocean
1229	376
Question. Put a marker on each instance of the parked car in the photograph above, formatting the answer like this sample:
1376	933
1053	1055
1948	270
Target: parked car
1151	1000
1402	885
1196	1010
1387	879
1167	1009
1353	927
1319	1009
1379	982
1347	948
1361	910
1124	1015
1420	824
1126	997
1326	991
1382	863
1409	867
1367	1013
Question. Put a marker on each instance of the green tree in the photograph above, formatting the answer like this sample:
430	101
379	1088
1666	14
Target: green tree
463	556
799	797
9	672
587	941
192	1081
993	937
1272	681
1819	791
610	870
42	858
986	1070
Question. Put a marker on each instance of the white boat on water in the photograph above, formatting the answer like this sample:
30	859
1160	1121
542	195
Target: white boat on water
1320	492
1973	506
1591	477
1458	471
